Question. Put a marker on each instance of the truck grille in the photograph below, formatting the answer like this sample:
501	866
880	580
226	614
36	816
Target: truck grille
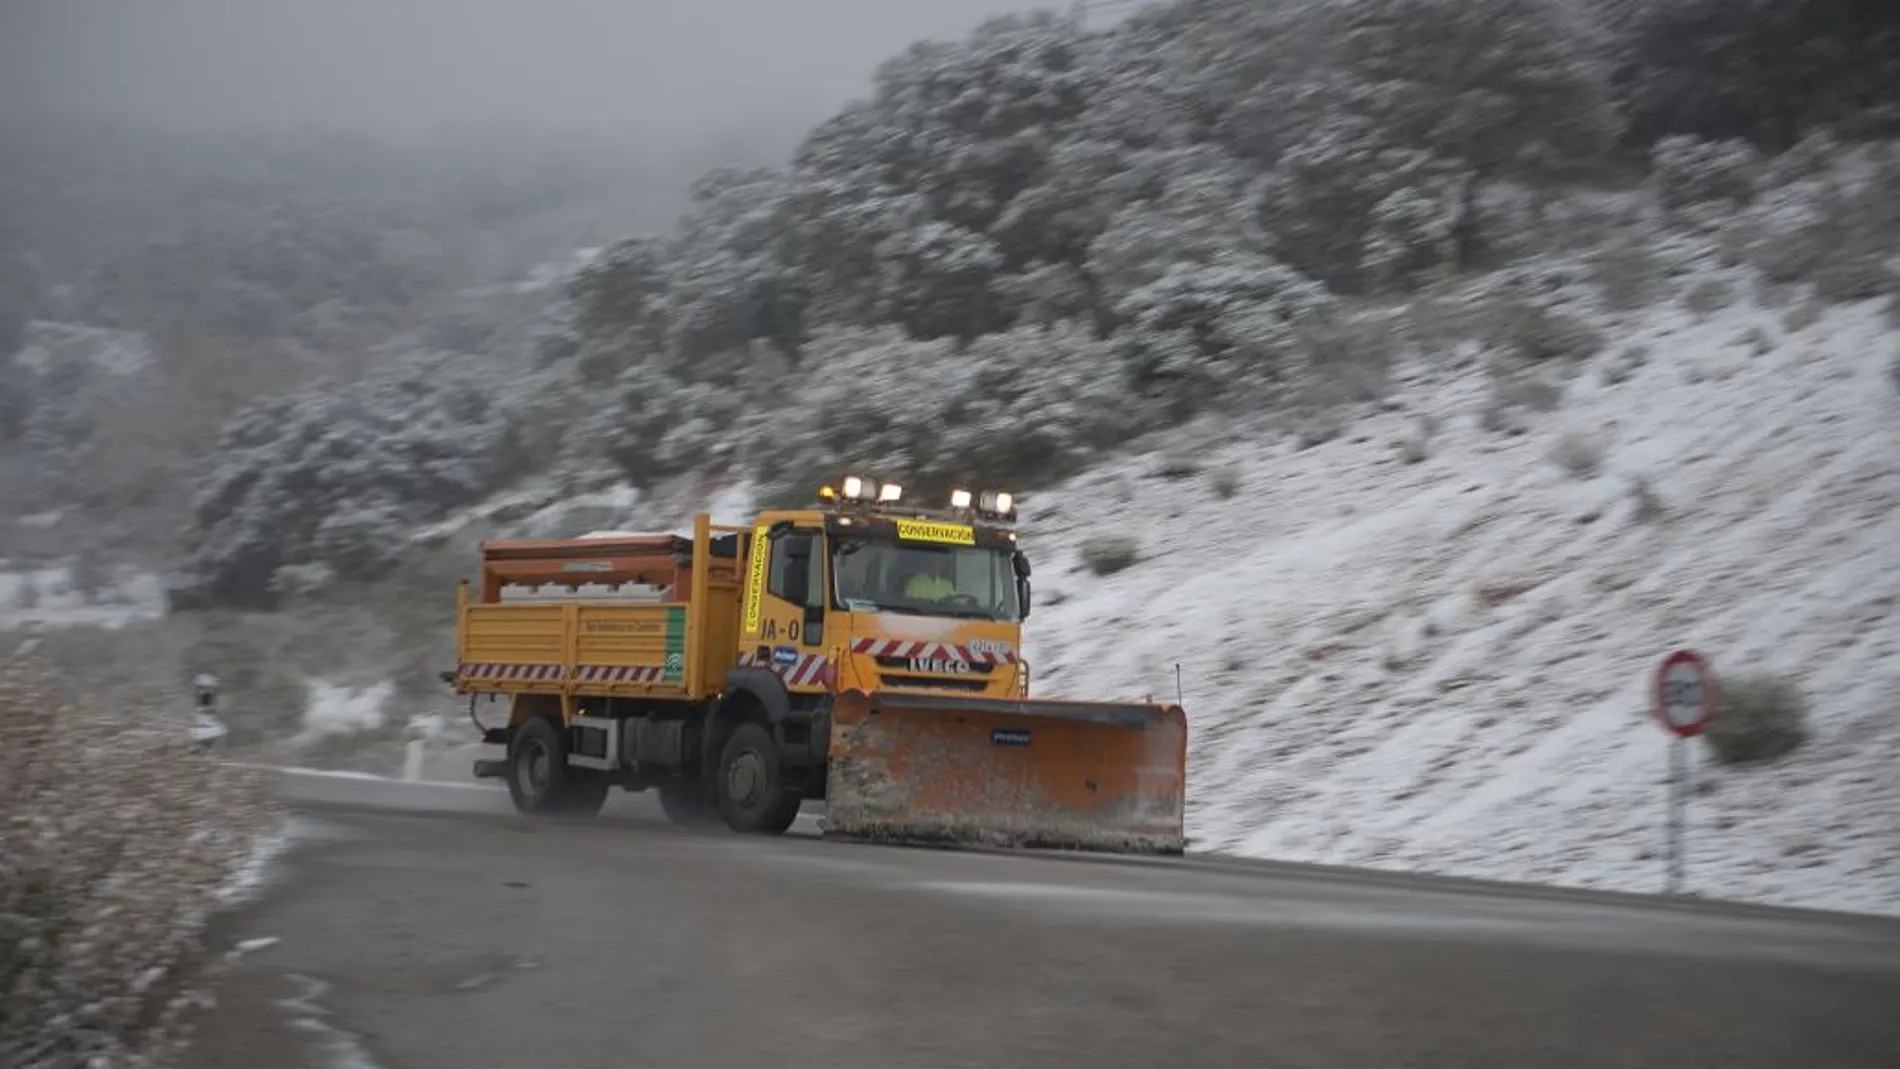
936	682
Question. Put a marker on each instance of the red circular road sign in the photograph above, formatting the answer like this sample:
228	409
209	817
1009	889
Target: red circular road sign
1684	693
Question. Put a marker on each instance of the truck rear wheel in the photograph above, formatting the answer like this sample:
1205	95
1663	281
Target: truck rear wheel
539	781
688	802
753	795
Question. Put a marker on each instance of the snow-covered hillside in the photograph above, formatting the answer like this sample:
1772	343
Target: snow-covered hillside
1442	665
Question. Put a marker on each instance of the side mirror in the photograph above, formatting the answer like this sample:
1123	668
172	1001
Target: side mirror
1022	595
1021	562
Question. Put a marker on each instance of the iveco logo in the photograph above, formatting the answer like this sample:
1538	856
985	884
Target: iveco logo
940	666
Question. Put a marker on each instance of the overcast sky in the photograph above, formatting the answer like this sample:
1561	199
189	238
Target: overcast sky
399	66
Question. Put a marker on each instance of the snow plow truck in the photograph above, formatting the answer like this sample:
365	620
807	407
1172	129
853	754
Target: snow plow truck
858	652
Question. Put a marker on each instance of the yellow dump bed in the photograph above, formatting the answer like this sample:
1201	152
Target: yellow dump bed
675	640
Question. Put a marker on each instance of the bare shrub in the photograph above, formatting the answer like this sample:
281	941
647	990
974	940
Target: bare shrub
1628	275
1802	316
1436	326
1757	341
1625	364
1531	391
1893	312
1496	416
1577	453
1416	447
119	838
1853	276
1226	483
1177	463
1108	554
1735	240
1537	334
1646	504
1349	360
1708	297
1762	717
1689	170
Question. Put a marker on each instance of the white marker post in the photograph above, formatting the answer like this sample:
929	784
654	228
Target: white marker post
1684	700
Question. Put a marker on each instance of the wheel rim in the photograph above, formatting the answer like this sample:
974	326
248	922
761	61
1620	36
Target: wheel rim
746	778
534	769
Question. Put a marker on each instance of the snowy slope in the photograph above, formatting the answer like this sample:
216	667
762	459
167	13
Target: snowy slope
1442	665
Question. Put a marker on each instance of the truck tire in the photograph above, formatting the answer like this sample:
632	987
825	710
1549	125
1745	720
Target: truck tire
688	802
587	794
539	781
753	795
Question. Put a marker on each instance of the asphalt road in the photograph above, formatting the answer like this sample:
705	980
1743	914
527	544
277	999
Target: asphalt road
429	928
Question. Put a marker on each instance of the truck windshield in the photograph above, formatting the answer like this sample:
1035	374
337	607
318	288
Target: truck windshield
874	575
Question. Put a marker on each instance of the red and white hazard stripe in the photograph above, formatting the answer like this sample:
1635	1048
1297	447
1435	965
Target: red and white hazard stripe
619	673
805	671
511	671
933	651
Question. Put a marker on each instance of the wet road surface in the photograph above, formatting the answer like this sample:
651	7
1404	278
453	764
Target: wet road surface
429	928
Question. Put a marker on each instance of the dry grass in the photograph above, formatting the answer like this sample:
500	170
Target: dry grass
117	839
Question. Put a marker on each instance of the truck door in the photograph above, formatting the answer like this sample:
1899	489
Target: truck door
791	612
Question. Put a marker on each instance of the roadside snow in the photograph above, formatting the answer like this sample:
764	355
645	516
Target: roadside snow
1441	665
340	710
51	597
253	874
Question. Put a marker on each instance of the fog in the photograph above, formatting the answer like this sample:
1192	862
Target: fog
397	67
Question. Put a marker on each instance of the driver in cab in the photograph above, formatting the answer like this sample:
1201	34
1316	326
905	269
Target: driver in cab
929	580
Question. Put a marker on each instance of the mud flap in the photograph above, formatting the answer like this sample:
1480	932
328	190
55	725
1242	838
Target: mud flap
934	769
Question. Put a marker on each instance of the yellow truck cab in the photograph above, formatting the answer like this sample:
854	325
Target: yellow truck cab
859	651
868	601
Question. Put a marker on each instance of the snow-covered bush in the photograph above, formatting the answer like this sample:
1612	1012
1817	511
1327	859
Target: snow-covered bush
336	476
1412	234
1689	170
1836	231
1762	717
1012	408
1811	157
118	840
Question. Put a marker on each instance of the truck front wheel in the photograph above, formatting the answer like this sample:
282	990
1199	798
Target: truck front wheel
754	797
688	802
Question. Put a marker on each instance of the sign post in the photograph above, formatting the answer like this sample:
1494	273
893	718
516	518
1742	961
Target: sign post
1684	697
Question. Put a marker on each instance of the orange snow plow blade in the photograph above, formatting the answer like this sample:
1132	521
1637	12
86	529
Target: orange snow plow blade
949	770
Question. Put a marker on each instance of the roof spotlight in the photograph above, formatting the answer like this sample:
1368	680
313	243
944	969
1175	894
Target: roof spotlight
959	499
